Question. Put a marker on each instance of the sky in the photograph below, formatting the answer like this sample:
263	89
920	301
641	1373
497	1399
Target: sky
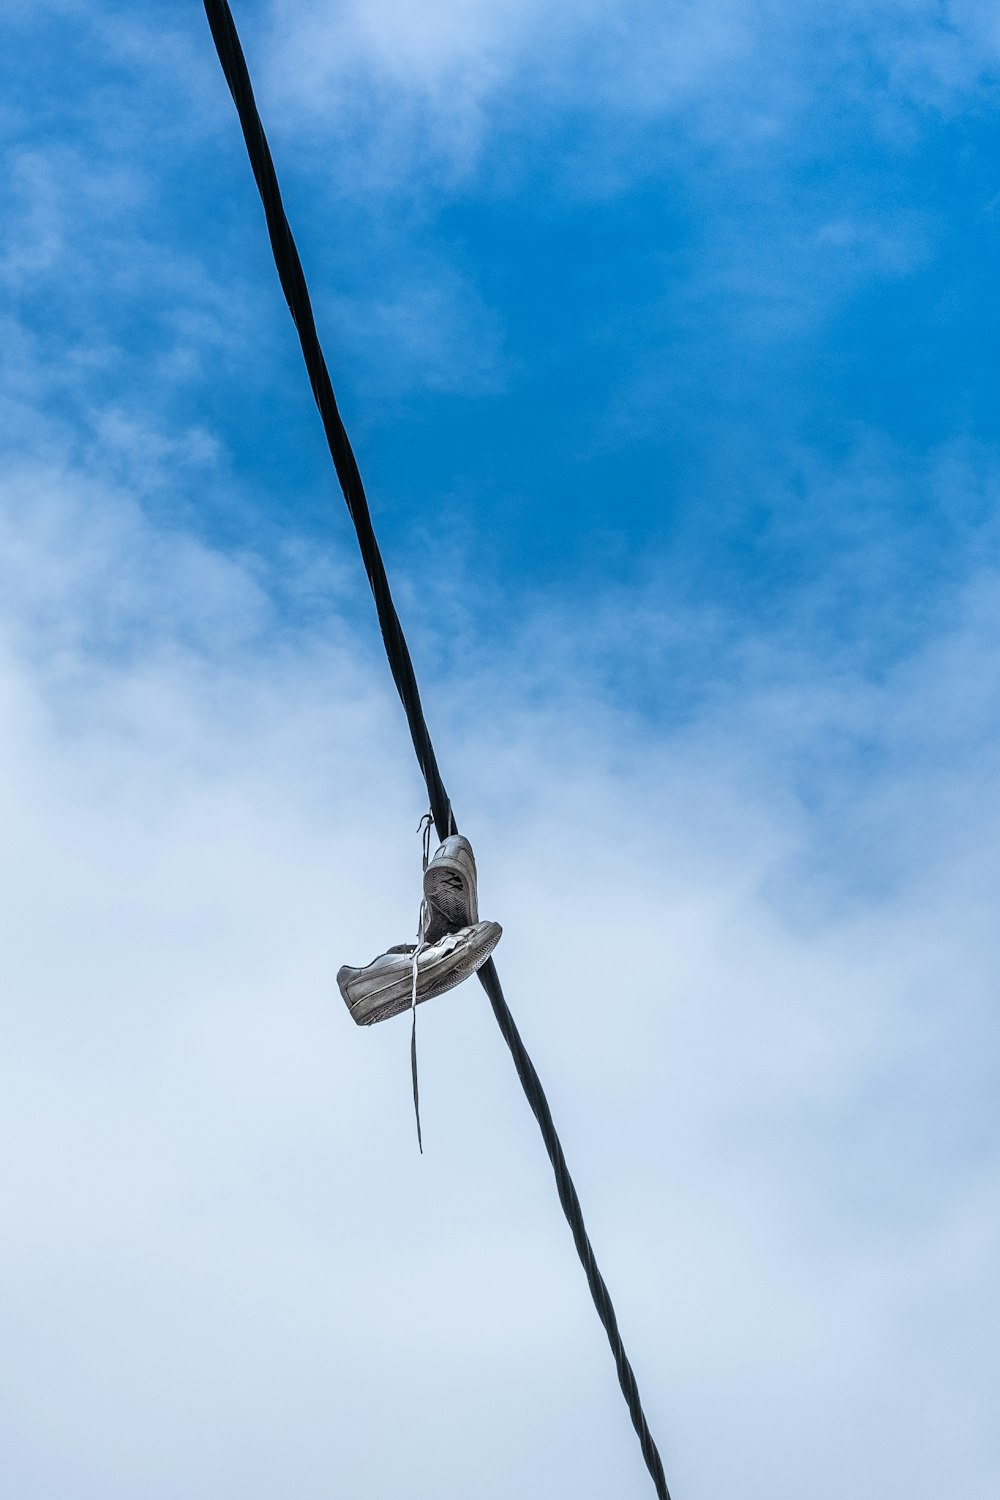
667	339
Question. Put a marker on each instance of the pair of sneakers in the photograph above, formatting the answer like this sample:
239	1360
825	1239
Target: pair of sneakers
453	943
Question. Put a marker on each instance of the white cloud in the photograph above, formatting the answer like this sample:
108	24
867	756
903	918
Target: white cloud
754	956
442	76
225	1263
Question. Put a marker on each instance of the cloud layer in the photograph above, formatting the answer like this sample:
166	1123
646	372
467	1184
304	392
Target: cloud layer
766	1024
708	642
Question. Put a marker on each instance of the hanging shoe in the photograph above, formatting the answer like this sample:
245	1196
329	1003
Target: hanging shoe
384	987
450	889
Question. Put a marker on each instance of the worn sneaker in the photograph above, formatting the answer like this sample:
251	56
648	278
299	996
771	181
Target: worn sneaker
450	889
384	987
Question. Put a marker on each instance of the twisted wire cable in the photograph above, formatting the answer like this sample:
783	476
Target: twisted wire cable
293	284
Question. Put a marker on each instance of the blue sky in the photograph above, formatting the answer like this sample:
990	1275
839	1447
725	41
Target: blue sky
635	295
667	339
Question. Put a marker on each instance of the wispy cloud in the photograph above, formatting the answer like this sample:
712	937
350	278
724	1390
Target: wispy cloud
764	1016
427	331
732	782
451	69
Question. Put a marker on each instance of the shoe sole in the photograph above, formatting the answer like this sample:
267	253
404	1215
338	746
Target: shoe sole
450	889
396	995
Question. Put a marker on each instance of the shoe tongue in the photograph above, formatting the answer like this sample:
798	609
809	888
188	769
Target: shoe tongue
402	948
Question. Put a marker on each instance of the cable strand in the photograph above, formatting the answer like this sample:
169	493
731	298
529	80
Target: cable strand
296	293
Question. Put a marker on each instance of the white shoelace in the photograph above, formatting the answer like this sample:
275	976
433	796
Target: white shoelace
425	828
421	945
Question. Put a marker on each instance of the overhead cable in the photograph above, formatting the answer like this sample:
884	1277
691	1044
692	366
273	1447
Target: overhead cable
293	284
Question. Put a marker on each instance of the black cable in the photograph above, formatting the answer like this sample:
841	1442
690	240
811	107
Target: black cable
293	284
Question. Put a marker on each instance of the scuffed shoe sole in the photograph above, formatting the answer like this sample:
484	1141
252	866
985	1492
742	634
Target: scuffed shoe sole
450	889
384	988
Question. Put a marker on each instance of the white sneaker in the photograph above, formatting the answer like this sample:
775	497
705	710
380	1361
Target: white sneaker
450	889
384	987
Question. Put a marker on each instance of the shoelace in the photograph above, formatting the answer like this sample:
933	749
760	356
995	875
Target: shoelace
421	945
425	827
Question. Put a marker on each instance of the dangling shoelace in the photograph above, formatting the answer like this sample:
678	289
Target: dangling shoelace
424	827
